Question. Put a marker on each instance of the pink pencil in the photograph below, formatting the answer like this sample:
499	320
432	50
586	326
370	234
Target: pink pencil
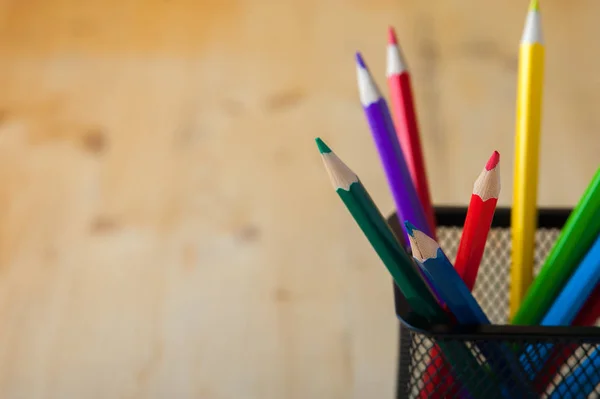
405	121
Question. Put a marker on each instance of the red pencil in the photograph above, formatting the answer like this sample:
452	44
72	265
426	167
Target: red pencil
590	312
478	221
438	381
405	121
470	251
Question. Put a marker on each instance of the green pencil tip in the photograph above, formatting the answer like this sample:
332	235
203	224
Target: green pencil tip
410	228
323	148
534	5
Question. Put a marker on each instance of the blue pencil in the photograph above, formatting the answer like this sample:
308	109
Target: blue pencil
452	289
581	382
577	290
461	303
567	305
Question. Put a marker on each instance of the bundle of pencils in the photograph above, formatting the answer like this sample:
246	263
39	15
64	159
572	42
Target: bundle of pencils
566	291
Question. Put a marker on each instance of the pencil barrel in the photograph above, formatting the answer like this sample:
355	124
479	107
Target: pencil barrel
526	170
545	358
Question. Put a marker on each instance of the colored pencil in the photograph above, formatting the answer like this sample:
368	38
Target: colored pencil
438	381
560	354
407	127
567	305
590	312
528	122
478	221
373	224
470	251
587	316
401	267
465	309
573	242
577	290
448	283
582	381
405	196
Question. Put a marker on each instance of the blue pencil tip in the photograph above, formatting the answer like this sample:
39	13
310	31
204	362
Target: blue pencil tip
360	61
410	228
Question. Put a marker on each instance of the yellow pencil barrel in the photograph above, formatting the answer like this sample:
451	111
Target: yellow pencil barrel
527	143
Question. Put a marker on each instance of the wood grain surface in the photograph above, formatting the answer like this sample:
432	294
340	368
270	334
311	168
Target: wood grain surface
167	229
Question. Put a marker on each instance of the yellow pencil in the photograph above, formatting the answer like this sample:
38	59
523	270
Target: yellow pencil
524	207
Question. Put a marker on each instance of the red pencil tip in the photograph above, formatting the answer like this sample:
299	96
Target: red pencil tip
493	161
392	36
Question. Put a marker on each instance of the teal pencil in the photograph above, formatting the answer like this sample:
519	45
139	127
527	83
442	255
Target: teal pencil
403	270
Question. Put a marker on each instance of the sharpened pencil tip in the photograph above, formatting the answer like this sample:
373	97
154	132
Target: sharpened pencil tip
534	5
410	228
360	61
323	148
493	161
392	36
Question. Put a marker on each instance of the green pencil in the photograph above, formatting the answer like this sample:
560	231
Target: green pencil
572	244
403	270
373	224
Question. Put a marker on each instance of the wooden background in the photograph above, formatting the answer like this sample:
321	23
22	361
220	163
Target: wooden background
167	229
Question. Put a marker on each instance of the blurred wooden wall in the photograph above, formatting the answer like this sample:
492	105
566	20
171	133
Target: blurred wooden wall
167	229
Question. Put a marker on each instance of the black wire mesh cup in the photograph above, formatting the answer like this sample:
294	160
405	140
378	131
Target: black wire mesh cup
424	372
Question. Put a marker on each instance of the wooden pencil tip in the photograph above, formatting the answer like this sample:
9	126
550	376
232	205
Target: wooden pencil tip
392	36
323	148
493	161
410	228
360	61
534	5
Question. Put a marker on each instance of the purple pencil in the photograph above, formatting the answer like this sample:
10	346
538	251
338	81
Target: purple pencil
408	206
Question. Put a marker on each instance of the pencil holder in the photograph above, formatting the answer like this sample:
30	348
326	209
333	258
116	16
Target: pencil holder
570	366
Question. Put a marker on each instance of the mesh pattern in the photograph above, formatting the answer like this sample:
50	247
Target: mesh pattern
425	373
492	284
